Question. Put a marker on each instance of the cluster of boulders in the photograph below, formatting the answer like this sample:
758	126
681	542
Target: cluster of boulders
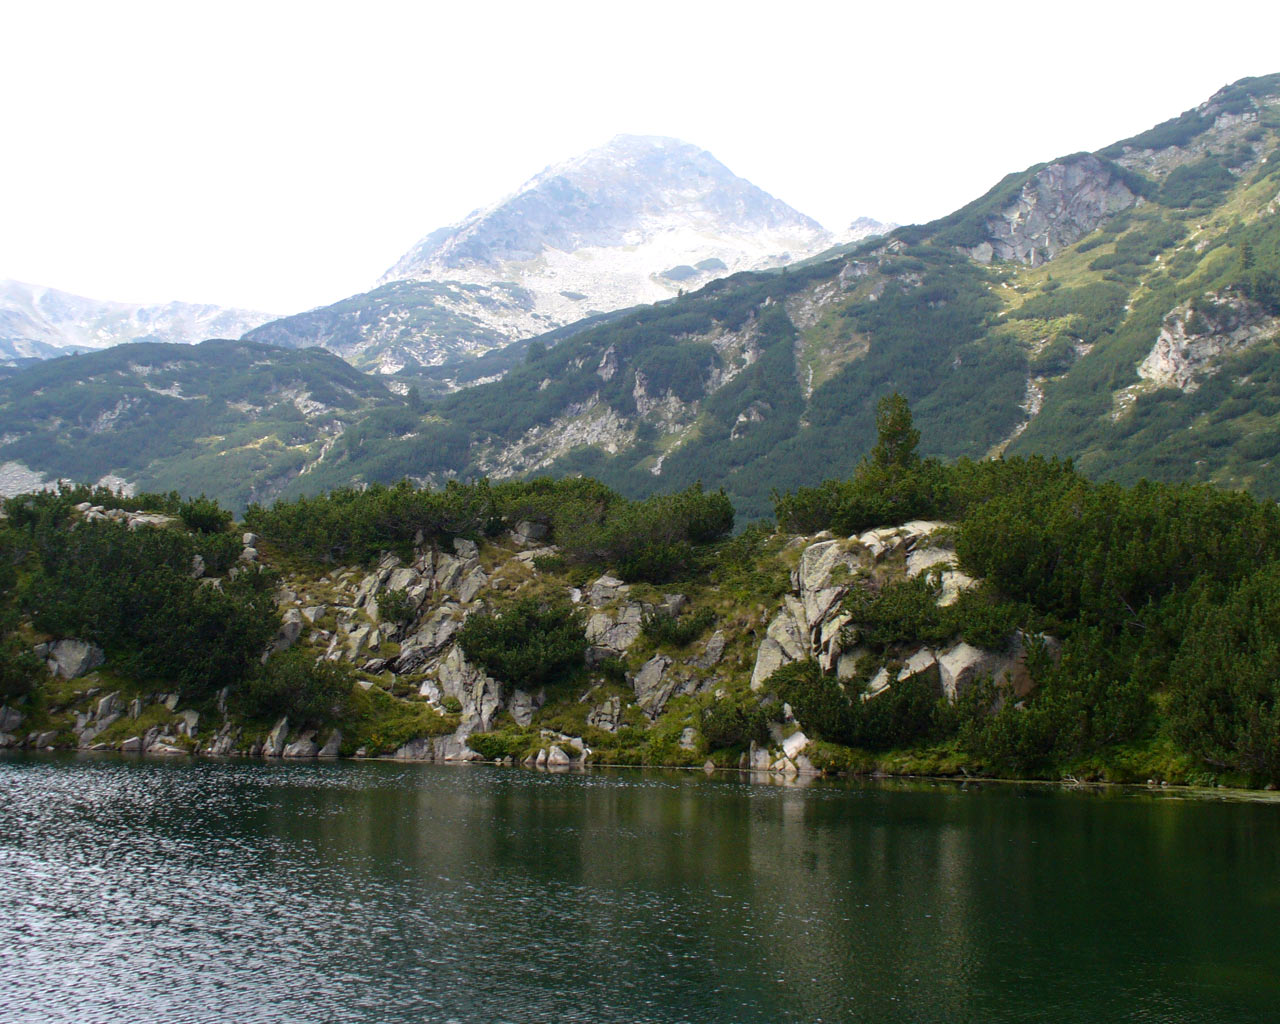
177	736
96	514
615	623
811	624
11	720
444	587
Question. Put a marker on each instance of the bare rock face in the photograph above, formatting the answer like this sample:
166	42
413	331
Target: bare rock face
712	652
526	533
1057	207
10	719
605	589
478	693
1191	342
275	742
606	715
786	640
810	624
304	746
610	635
331	745
431	638
523	704
291	627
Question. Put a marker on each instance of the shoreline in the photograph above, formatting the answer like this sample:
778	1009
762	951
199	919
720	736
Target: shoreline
786	779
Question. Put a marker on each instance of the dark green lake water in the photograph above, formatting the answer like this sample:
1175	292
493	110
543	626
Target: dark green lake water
378	892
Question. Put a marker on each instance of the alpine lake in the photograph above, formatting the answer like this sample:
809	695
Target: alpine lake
374	891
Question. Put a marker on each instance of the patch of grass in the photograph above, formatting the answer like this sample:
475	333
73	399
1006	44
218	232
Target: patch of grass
117	732
381	723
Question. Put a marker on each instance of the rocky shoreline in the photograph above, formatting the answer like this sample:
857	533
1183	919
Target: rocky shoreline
336	616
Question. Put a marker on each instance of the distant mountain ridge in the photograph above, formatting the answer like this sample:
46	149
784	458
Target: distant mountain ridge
37	322
635	221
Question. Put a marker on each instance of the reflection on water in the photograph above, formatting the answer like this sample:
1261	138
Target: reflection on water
390	892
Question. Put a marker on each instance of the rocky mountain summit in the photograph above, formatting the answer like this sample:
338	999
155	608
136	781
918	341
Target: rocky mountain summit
38	322
618	219
637	220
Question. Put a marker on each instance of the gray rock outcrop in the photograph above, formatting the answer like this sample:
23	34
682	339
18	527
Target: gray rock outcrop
526	533
811	623
274	744
1192	344
653	686
71	659
331	745
10	719
291	626
611	634
304	746
1056	207
523	705
606	715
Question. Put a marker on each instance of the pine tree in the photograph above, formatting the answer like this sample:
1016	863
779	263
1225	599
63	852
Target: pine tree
896	438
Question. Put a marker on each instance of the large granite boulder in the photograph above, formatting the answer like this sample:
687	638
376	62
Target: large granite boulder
71	659
274	744
653	685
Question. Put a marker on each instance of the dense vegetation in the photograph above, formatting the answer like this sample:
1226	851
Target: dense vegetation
650	540
536	642
1115	574
134	592
1146	615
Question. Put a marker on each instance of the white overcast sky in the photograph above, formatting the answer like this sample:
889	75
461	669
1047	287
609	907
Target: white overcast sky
279	156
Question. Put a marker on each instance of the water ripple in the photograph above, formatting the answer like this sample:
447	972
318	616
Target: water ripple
388	892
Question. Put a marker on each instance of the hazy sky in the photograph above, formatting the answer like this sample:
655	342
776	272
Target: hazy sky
282	155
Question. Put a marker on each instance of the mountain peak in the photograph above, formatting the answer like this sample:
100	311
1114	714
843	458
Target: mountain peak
629	192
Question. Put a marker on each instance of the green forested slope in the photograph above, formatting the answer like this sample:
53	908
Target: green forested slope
228	418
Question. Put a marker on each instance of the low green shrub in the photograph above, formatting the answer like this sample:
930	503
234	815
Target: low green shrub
528	643
204	515
494	746
734	722
295	684
677	631
396	607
